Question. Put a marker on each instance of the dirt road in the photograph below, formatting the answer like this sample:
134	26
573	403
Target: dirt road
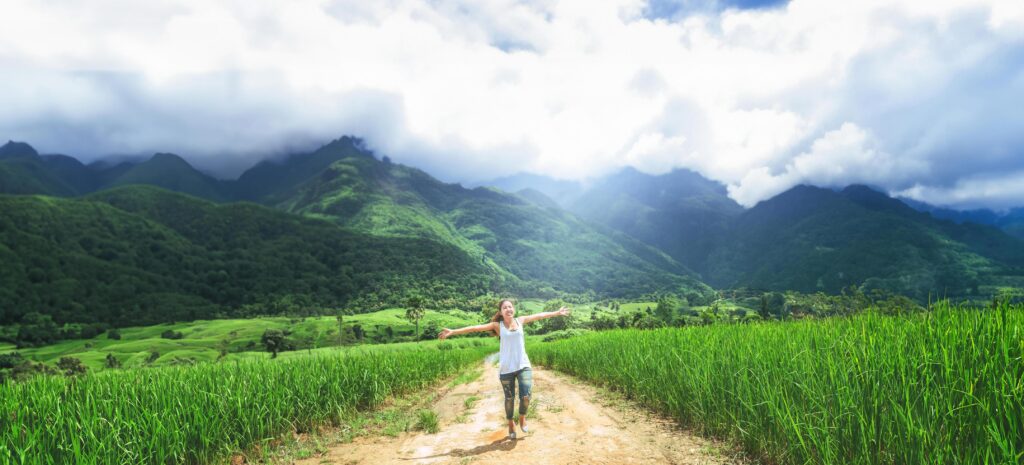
570	426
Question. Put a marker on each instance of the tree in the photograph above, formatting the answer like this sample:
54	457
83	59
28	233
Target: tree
602	322
11	360
430	331
647	322
357	330
36	330
152	357
112	362
114	334
774	304
488	306
171	334
390	332
274	341
414	311
666	310
558	323
340	316
710	314
71	366
15	367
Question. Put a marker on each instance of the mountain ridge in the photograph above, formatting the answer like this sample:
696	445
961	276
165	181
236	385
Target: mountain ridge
665	229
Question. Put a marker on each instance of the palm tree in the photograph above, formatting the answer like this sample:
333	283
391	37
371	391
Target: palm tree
414	311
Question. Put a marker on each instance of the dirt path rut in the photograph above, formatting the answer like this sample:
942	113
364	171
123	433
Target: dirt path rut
570	426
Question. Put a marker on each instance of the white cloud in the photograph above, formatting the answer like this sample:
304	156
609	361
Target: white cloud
997	191
840	157
892	93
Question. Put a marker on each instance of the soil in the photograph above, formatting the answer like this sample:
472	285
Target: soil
571	423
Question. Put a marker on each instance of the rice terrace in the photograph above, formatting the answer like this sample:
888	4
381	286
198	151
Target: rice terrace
717	232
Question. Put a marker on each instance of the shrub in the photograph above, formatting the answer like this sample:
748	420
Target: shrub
71	366
112	362
563	334
427	421
171	334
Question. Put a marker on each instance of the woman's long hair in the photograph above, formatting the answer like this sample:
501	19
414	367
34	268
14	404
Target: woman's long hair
497	316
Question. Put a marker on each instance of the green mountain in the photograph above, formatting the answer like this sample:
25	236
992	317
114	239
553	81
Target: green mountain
807	239
626	235
548	248
813	239
563	192
1010	221
526	246
73	173
13	149
171	172
269	180
23	171
139	255
682	213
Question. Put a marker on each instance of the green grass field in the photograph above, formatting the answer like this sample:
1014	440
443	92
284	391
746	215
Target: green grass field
945	386
205	413
204	340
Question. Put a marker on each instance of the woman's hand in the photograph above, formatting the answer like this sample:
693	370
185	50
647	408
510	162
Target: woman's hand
445	333
563	311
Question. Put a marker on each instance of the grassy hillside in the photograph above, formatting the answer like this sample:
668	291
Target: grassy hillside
142	255
526	245
206	340
270	180
514	237
680	213
811	239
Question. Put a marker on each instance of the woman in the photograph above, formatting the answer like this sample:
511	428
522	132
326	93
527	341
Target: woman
514	365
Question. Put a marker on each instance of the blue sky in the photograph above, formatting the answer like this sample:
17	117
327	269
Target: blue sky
918	98
676	9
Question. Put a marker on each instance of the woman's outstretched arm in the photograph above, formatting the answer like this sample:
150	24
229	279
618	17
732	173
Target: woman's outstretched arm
468	329
540	316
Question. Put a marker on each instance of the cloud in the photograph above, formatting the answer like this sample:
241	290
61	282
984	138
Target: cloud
996	191
846	155
758	95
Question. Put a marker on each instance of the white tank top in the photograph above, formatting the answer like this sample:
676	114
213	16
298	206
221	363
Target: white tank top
512	354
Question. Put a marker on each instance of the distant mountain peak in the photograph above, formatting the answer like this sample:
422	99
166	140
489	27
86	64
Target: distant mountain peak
537	197
344	146
874	199
163	157
14	149
854	190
